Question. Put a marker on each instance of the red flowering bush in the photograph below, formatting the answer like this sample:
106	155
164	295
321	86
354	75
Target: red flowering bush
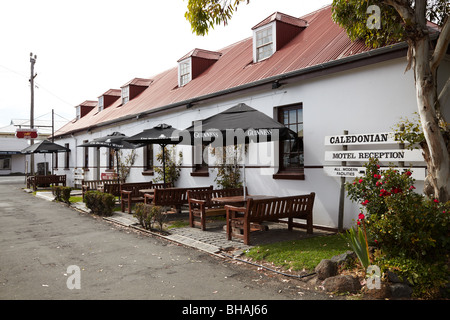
402	221
406	226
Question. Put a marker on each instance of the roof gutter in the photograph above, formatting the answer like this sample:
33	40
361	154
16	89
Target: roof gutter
292	74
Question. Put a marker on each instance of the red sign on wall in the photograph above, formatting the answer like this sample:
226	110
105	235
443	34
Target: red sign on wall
26	133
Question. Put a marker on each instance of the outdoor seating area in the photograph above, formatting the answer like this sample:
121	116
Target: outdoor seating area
201	205
134	192
172	197
45	181
87	185
269	209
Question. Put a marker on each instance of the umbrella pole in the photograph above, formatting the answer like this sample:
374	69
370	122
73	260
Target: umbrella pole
164	163
117	160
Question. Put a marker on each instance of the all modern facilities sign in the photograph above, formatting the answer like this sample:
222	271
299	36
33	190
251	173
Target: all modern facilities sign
354	172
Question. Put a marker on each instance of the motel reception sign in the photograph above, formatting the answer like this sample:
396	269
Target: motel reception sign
383	155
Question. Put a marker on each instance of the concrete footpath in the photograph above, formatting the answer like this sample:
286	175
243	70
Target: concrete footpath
213	240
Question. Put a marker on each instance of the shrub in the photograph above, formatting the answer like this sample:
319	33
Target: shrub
148	215
61	193
401	221
410	229
100	203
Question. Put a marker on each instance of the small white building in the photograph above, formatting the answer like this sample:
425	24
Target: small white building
12	161
303	72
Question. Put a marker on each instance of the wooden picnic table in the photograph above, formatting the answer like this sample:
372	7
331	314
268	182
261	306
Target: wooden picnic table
238	200
241	201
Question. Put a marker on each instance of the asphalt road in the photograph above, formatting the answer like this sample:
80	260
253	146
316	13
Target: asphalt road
40	240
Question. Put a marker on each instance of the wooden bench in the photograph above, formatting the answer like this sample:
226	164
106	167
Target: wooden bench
201	206
37	180
172	197
87	185
272	209
129	193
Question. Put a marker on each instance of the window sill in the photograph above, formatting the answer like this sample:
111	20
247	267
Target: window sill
200	174
289	175
148	173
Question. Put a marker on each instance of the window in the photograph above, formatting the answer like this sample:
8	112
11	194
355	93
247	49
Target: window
78	112
200	169
125	94
264	43
291	151
148	157
100	104
86	156
55	163
66	157
5	162
111	154
185	72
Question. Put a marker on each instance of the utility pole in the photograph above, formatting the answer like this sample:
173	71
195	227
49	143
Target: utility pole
33	61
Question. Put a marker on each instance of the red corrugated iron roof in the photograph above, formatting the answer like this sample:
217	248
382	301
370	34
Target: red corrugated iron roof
320	42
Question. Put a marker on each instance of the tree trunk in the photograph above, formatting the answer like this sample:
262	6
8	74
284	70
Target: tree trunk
438	160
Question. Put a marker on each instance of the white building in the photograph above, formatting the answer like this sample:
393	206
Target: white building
12	161
303	72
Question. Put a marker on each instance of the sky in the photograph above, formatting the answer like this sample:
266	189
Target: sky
87	47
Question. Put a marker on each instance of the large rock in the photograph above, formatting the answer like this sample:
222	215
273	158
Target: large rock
400	290
342	283
326	268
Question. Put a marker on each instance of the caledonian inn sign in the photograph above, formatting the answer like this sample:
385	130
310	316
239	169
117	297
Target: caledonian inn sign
383	155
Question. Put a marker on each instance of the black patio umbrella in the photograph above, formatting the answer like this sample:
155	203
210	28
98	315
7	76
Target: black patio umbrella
162	134
240	124
45	147
116	141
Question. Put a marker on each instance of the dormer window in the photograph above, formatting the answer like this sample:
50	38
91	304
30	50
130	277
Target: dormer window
193	64
125	94
100	103
271	34
264	43
133	88
78	112
84	108
184	72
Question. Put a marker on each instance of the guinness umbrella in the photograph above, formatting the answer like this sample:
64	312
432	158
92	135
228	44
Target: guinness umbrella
240	124
45	147
115	141
161	134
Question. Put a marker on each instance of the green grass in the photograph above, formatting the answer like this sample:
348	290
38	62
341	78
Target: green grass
75	199
300	254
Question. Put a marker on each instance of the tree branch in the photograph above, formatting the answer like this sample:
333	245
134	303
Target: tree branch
403	9
441	46
445	93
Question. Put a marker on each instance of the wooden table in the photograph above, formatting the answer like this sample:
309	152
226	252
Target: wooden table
238	201
149	191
